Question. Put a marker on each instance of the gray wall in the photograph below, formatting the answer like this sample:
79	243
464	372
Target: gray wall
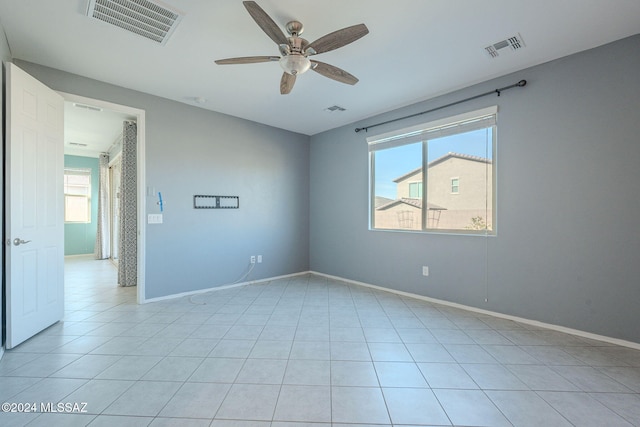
568	233
193	151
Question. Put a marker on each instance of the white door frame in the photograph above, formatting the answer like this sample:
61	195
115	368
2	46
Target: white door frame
141	199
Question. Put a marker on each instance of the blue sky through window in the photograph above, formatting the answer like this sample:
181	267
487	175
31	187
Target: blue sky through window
395	162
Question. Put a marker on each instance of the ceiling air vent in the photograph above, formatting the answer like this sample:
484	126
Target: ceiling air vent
86	107
514	43
142	17
335	108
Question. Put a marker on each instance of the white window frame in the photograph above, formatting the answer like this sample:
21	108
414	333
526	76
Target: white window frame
466	122
457	185
67	195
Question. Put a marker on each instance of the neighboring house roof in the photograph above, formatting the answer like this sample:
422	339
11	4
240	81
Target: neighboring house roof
381	201
408	174
416	203
442	159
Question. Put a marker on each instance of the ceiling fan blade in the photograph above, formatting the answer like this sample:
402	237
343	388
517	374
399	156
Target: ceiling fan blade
286	83
334	73
265	22
247	60
339	38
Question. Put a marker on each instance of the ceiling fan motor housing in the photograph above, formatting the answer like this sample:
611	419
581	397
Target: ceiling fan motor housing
294	59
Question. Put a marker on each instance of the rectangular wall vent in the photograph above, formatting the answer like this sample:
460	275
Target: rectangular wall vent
142	17
514	43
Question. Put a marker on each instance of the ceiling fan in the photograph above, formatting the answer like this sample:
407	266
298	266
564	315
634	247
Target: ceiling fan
295	51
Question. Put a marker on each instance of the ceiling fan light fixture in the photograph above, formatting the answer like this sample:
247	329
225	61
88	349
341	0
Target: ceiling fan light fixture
295	64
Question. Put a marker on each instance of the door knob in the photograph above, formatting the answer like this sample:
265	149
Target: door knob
18	242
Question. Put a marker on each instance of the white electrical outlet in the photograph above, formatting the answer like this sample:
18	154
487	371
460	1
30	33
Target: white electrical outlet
259	259
253	259
154	219
425	270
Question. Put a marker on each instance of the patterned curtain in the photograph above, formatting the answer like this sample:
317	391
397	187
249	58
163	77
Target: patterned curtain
128	242
103	249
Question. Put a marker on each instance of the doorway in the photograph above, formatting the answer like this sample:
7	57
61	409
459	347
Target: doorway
35	172
126	113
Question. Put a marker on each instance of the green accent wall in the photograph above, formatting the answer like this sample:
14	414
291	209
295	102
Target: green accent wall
80	239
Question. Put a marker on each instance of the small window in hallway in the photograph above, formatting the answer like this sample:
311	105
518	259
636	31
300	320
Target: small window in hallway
77	195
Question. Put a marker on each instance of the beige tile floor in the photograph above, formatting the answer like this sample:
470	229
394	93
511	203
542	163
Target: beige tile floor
307	352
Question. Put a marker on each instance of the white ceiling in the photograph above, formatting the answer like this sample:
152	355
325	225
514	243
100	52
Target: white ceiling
98	129
416	49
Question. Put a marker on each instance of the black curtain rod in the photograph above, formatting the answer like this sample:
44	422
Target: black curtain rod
521	83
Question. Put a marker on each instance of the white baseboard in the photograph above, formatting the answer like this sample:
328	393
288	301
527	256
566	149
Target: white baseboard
536	323
219	288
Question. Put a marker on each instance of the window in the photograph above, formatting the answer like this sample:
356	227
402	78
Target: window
455	185
415	190
77	195
415	176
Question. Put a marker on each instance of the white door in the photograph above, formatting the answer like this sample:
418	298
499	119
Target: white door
34	206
